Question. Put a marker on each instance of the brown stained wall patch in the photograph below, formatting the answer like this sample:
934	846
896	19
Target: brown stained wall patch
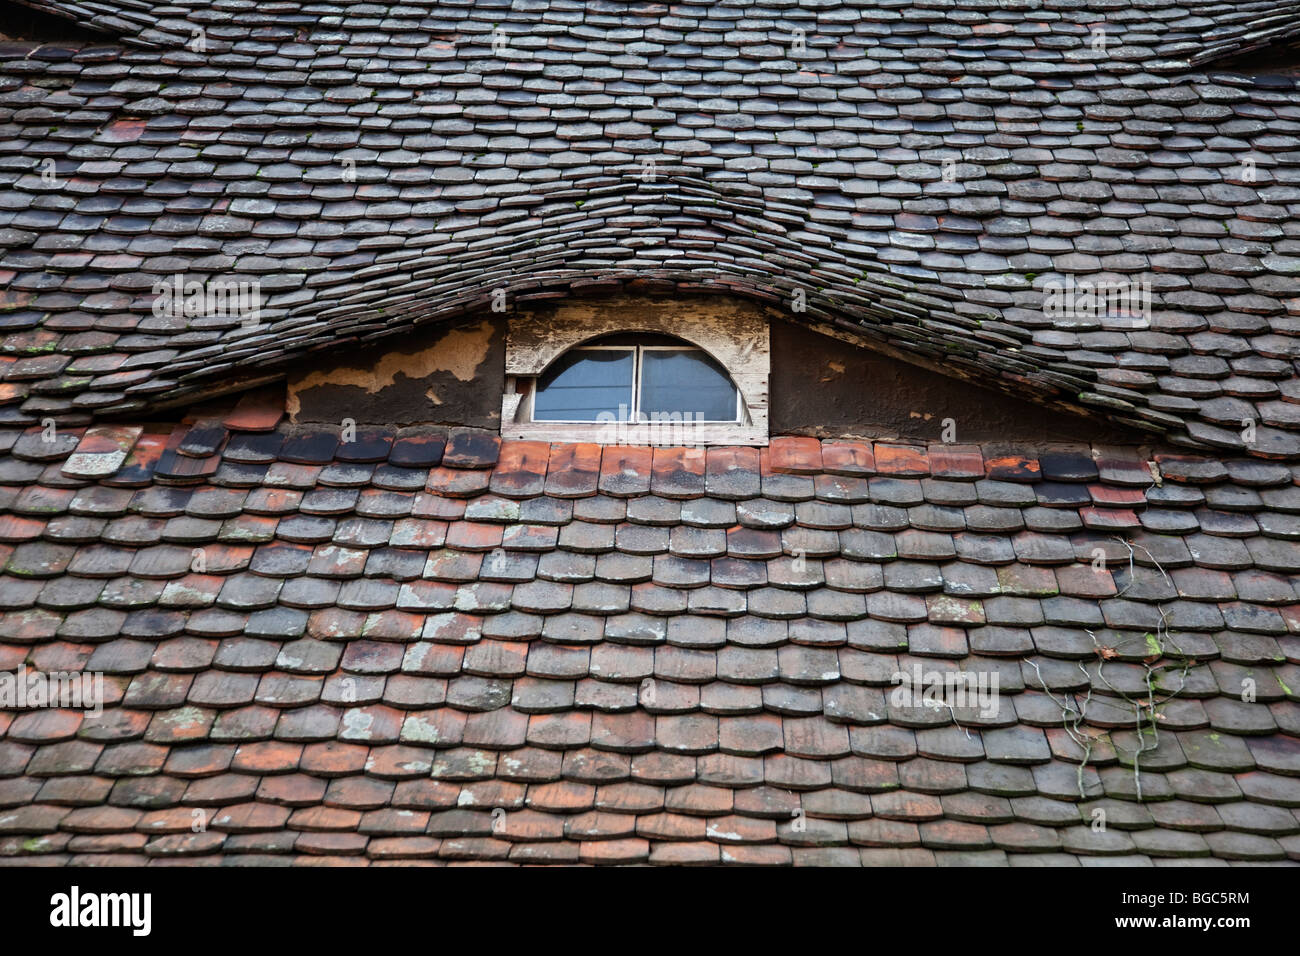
451	376
836	369
828	387
462	351
459	352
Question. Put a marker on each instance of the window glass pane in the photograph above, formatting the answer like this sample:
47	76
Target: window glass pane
581	384
685	382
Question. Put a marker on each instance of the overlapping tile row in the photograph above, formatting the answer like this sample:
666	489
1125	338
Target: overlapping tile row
428	646
920	171
1221	30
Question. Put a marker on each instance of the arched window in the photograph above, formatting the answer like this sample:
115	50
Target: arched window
635	378
637	371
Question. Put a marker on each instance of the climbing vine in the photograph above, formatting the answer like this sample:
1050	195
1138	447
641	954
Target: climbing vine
1164	657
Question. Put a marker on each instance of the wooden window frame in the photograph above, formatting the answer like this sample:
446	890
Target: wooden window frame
638	351
738	343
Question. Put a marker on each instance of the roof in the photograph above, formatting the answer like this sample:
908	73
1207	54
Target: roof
429	645
774	171
424	644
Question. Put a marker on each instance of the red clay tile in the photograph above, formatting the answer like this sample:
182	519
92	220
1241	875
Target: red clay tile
562	797
403	848
614	851
458	483
181	725
528	826
287	474
794	455
732	471
42	499
453	628
1013	468
272	501
905	460
221	558
200	761
359	793
1109	496
333	561
131	759
429	505
335	623
173	464
102	819
480	851
1122	467
393	625
17	528
420	533
1109	519
574	470
757	855
595	825
418	448
376	724
250	818
1083	580
332	844
474	536
1190	469
471	448
399	761
101	451
425	794
521	469
45	726
138	469
259	410
625	470
685	854
333	759
678	472
700	799
848	458
35	624
292	790
267	756
670	826
389	821
324	819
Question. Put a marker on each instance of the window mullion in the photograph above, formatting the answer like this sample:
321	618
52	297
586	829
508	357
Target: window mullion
635	412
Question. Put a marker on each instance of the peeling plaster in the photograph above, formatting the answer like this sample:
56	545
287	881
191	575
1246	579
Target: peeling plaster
441	371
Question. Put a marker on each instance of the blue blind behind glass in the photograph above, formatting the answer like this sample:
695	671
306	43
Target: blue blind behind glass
583	383
686	383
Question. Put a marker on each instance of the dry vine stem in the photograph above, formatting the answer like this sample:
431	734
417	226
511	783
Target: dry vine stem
1073	715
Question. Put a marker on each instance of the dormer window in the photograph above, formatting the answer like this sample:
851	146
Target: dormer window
655	374
635	378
